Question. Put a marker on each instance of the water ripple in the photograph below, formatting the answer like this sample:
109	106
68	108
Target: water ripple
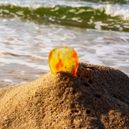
25	46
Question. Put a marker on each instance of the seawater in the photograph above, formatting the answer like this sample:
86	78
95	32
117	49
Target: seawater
99	31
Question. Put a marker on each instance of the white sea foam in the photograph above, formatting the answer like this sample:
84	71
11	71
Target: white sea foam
121	10
25	47
7	80
115	10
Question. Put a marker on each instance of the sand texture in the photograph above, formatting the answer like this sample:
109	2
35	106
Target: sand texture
98	98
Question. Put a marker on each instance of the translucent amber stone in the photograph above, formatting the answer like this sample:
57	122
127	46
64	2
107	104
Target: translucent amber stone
63	59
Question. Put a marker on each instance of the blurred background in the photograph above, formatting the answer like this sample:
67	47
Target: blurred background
29	29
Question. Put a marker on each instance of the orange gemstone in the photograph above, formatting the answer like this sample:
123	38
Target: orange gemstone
63	60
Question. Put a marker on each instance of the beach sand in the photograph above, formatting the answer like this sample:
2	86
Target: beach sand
97	98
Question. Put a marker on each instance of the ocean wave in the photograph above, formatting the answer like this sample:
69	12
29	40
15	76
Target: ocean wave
102	17
115	10
65	2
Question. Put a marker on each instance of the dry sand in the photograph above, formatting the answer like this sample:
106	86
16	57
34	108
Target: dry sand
98	98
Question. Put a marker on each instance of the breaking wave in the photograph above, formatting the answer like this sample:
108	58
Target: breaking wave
104	17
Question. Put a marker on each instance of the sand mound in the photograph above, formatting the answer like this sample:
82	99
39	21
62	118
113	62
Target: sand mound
98	98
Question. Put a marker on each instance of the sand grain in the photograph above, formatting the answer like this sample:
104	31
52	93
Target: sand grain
98	98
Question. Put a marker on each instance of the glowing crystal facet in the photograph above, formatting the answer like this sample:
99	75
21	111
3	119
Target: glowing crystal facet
63	60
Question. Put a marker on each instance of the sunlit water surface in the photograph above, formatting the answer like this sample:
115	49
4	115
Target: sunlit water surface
29	29
24	48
